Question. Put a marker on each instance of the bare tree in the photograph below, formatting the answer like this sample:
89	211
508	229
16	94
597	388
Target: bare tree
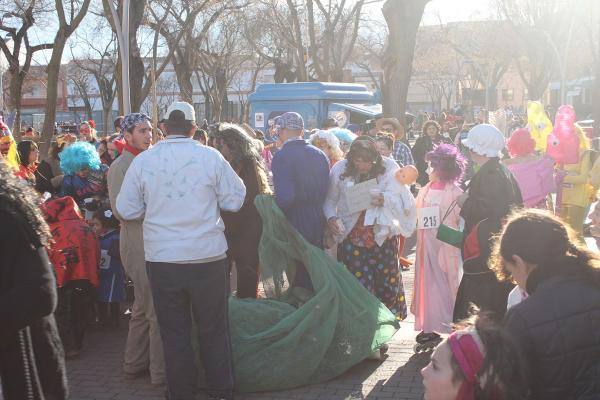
68	22
81	81
99	62
369	52
17	20
403	19
222	57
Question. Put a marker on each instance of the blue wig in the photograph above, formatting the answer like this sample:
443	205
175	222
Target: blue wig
344	135
77	156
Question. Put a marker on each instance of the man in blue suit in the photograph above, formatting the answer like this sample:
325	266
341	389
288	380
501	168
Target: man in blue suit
301	179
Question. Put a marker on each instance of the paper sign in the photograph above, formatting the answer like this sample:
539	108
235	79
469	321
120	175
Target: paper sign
104	259
359	196
428	218
259	120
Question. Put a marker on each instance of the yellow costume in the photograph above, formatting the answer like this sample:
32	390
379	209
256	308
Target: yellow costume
539	124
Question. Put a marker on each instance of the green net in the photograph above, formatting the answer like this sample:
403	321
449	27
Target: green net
278	346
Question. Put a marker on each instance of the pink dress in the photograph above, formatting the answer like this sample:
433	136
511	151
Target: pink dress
437	265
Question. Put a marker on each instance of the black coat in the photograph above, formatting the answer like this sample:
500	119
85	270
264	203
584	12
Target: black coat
31	353
493	192
558	330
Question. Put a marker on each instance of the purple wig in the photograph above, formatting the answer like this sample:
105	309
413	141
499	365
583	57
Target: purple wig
447	162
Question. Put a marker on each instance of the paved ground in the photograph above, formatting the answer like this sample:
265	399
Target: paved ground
97	373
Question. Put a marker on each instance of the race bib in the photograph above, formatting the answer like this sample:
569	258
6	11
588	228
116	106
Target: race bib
104	259
428	218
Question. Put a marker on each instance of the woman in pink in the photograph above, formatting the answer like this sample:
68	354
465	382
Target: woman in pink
437	266
534	173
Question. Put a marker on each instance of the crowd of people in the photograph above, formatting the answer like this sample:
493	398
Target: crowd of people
503	284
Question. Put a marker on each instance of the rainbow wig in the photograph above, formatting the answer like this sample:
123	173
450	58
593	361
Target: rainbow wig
78	156
447	162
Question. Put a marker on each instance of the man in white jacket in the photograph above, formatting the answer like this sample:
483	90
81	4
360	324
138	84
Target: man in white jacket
179	187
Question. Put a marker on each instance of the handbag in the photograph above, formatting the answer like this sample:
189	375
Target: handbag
449	235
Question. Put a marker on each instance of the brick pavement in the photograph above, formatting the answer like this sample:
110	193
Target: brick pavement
97	374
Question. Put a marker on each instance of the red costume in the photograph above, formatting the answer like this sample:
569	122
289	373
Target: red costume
75	251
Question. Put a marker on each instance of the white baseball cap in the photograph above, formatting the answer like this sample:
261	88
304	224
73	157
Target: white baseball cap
485	140
186	108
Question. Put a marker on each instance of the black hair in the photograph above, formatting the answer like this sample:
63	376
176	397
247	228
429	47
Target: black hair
106	217
363	148
23	149
117	122
177	124
543	240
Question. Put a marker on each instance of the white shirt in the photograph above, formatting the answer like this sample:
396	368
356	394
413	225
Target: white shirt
179	187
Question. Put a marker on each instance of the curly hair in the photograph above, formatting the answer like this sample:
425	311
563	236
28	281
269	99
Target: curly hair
429	123
363	148
448	162
541	239
243	147
503	373
78	156
22	202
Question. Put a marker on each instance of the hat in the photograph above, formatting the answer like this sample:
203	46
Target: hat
289	120
388	121
183	107
486	140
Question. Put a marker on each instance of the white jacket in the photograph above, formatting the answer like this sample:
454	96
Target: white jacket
397	216
178	187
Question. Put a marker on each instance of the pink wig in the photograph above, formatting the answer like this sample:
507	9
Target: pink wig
520	143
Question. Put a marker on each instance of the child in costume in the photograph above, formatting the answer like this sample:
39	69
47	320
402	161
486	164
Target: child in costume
437	265
75	255
111	291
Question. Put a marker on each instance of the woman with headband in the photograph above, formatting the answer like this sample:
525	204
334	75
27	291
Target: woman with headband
476	363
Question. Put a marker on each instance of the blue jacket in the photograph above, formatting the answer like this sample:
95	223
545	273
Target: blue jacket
301	180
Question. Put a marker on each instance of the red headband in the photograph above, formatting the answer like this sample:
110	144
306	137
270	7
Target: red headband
467	350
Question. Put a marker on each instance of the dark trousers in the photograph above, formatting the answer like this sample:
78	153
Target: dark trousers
73	312
201	290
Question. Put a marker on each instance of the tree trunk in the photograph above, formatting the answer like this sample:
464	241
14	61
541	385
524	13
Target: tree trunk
403	19
52	91
16	96
184	80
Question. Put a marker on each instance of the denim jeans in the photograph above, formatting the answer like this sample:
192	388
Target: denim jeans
200	290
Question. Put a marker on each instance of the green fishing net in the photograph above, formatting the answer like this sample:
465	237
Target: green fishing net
277	345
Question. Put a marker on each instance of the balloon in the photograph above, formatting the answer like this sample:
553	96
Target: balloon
563	142
407	175
539	124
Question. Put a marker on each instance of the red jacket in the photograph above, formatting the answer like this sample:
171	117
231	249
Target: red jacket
75	251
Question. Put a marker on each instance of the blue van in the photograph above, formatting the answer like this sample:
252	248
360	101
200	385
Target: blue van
347	103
